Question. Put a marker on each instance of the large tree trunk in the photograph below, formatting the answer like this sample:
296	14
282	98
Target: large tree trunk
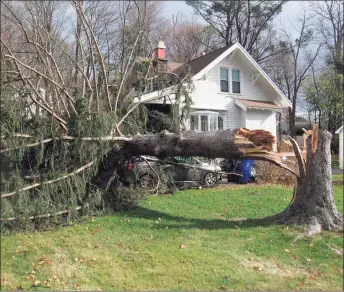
232	144
313	204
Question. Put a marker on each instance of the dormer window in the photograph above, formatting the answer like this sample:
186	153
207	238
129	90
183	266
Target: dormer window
236	86
224	84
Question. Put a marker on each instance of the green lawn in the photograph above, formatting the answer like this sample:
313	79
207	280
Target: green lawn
192	240
335	161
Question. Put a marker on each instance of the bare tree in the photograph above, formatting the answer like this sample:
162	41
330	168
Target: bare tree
188	39
291	67
330	27
246	22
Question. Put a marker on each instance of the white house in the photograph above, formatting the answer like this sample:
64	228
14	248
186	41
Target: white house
230	91
341	145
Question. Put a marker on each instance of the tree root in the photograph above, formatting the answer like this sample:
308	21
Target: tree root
313	224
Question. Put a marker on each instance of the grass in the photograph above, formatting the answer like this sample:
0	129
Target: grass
335	161
193	240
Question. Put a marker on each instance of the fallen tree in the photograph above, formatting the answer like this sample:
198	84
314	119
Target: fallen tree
58	124
313	203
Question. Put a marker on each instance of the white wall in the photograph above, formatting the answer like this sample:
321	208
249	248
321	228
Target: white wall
262	119
341	145
207	95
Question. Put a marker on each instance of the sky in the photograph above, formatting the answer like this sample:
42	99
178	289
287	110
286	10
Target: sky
290	12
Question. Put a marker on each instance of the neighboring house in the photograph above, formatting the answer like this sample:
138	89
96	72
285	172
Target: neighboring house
230	91
341	146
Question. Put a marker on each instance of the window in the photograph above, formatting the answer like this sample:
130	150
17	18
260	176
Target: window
220	123
194	123
224	84
206	121
213	123
235	81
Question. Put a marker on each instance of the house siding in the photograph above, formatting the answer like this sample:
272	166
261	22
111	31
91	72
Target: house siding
341	145
260	119
207	95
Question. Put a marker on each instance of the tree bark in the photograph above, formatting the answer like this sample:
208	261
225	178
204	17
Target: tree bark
313	204
231	144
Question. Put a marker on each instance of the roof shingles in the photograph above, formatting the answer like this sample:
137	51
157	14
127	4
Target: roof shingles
258	104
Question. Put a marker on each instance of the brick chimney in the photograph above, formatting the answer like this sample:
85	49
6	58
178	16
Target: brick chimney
160	52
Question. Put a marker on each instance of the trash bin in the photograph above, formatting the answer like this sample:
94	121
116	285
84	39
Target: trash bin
245	170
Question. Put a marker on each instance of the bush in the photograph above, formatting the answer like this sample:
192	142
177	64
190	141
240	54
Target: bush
270	173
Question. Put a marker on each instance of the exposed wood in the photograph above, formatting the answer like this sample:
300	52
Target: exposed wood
299	158
259	137
222	144
315	138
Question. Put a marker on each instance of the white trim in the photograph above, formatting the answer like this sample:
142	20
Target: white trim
253	62
203	112
231	88
339	130
228	77
239	104
208	114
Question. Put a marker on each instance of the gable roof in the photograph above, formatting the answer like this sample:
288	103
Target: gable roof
196	65
171	65
201	65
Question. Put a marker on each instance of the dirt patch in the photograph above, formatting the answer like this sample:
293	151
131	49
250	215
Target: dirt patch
271	268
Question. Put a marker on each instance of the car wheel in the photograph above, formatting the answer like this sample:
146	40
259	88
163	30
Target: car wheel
209	179
147	181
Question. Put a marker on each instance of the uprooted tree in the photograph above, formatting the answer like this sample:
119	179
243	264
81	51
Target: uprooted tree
63	117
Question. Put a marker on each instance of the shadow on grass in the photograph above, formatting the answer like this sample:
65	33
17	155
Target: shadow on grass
172	221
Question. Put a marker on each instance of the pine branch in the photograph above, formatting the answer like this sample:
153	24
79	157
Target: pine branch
49	181
41	216
63	138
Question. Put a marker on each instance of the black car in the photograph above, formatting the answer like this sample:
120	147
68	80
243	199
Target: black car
143	171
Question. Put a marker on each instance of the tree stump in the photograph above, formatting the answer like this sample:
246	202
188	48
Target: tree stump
313	204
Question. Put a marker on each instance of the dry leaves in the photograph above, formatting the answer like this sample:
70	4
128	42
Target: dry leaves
4	280
95	231
36	284
44	260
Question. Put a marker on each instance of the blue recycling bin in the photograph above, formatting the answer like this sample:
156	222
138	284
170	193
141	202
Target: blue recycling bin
245	170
